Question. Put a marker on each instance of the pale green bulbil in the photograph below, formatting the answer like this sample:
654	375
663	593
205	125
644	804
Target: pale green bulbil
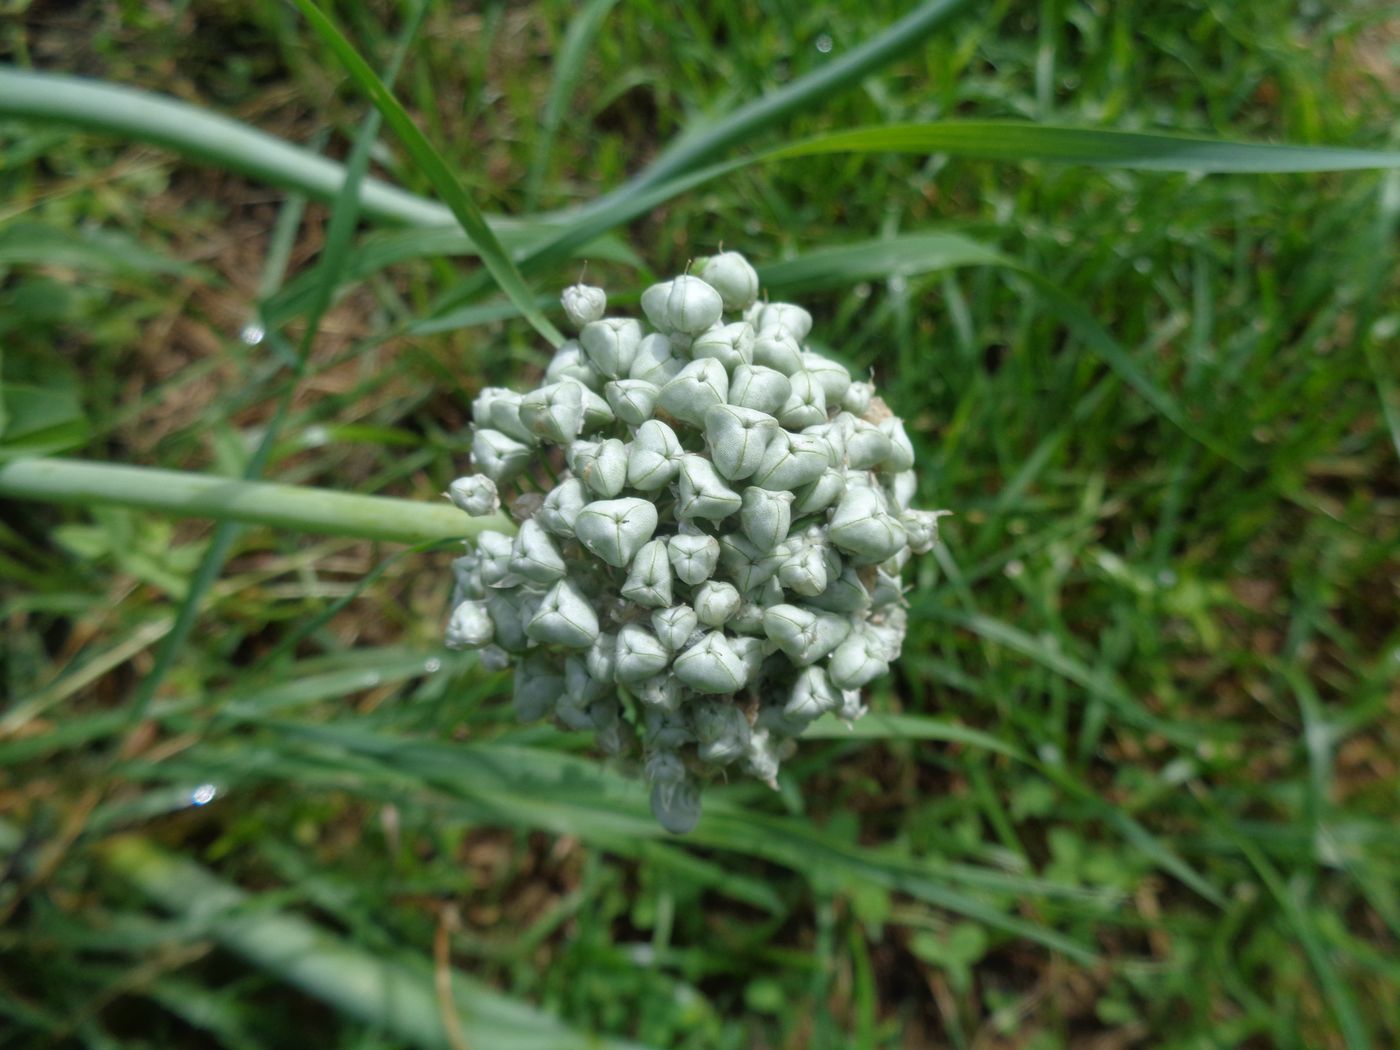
730	274
597	413
499	457
806	636
794	320
565	617
731	345
640	654
614	530
737	438
601	657
654	302
660	691
656	361
649	581
745	564
853	665
862	527
804	572
611	345
791	461
776	348
711	666
722	731
555	412
760	388
503	414
674	626
868	446
655	456
475	494
820	494
697	388
921	526
692	306
535	556
806	404
765	516
537	688
485	398
812	696
561	507
903	487
716	602
632	400
583	304
693	556
701	493
858	397
494	553
676	806
605	471
507	613
470	627
724	547
569	362
901	455
832	376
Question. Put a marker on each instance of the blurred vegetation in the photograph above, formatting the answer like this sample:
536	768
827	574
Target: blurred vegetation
1148	792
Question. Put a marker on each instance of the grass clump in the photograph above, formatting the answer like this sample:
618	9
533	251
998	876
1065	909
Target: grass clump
1132	778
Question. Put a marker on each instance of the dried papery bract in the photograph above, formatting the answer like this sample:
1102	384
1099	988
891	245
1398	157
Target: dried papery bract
719	563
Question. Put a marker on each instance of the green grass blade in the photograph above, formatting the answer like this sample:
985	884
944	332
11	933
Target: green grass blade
895	41
435	168
1018	142
196	133
906	255
909	727
101	251
568	70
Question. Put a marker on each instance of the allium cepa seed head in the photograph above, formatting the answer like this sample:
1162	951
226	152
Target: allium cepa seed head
720	563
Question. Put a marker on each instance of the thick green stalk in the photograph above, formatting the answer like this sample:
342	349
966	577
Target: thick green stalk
80	483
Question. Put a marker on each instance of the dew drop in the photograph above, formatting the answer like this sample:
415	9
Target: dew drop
203	795
253	333
824	44
433	665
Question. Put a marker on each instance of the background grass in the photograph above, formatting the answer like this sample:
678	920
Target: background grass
1146	790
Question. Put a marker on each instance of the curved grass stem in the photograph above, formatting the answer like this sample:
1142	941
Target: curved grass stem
300	508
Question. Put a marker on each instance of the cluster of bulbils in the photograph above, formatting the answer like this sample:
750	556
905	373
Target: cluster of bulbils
721	563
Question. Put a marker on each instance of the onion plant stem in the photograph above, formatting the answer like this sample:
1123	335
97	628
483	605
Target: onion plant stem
295	507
